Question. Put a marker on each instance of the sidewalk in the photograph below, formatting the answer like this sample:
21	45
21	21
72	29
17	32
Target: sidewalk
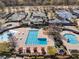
15	58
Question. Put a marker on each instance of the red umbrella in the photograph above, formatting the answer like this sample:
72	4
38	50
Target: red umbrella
20	49
28	50
43	50
35	50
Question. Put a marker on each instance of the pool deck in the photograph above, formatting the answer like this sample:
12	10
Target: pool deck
22	35
49	41
68	45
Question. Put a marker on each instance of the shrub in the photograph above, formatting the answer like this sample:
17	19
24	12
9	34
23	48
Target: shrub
51	50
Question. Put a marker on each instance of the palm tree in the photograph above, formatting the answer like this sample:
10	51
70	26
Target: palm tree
54	34
53	29
10	35
12	40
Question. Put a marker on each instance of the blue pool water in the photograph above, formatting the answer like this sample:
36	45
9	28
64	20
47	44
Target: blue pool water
71	38
4	37
33	40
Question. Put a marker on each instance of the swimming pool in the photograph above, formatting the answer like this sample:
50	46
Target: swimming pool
33	40
71	38
4	37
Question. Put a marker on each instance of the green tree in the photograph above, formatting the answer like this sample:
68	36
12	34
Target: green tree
5	48
51	50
